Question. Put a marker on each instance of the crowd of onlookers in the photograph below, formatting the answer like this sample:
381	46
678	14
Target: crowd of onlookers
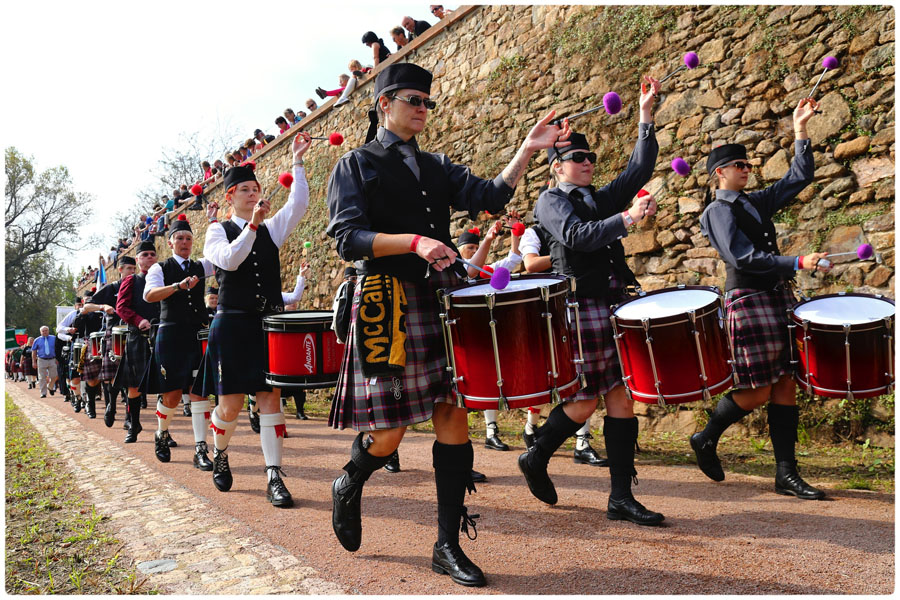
157	223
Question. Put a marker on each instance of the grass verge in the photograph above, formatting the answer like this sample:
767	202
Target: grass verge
56	543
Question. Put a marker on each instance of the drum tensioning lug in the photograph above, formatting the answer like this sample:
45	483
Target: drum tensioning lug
554	395
645	323
582	379
548	317
805	325
574	305
692	315
847	358
888	324
791	327
502	404
706	395
571	281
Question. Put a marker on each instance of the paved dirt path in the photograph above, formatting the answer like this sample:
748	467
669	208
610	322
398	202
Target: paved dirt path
735	537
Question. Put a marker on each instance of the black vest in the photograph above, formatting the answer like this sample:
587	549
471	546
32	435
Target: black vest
86	324
108	294
147	310
591	269
185	307
256	284
398	203
762	235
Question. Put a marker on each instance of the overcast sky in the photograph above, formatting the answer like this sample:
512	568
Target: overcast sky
102	87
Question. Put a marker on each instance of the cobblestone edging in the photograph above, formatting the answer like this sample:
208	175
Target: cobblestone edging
214	555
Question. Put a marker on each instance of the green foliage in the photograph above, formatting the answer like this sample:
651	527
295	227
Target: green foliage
850	16
788	216
505	75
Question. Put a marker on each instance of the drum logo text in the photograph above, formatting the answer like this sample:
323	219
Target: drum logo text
309	352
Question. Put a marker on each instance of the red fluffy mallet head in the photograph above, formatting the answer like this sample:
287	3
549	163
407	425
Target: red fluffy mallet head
182	217
335	139
518	229
249	163
196	189
286	179
476	231
643	193
487	268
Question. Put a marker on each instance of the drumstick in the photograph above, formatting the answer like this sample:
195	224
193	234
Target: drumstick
499	278
862	252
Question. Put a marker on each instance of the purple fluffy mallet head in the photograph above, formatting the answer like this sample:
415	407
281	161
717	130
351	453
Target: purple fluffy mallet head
830	62
500	278
681	167
865	251
612	103
691	60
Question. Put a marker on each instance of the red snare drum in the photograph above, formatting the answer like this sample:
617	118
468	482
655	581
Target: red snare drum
510	348
303	350
95	347
119	335
844	343
203	336
672	345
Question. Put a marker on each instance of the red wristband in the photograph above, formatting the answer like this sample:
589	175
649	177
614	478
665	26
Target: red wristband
252	226
414	243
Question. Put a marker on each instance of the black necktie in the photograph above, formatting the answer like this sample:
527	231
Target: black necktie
409	157
186	264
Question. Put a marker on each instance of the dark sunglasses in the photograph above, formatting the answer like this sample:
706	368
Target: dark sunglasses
742	165
418	101
579	157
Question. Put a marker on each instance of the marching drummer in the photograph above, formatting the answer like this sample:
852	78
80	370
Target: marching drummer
535	250
175	285
137	313
212	301
586	227
399	229
105	300
244	250
88	367
757	286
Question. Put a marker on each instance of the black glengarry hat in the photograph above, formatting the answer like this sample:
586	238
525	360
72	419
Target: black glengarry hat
350	272
212	290
146	246
127	260
470	236
401	76
724	154
180	224
236	175
579	142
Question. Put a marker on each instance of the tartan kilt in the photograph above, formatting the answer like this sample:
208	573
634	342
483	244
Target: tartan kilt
237	355
109	365
28	366
92	368
135	361
757	328
176	356
601	362
409	396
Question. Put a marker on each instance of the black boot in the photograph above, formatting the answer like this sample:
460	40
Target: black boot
620	435
529	438
346	494
533	463
393	465
704	443
109	416
78	403
201	458
783	423
92	392
276	492
161	440
493	441
134	420
254	420
300	402
321	93
452	477
588	456
186	408
222	477
143	400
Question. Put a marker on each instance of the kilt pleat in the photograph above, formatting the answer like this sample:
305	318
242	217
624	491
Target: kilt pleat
238	356
757	327
408	397
601	362
135	361
108	365
176	355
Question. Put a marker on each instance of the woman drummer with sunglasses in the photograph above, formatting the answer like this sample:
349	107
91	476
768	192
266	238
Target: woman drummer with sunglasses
757	287
586	227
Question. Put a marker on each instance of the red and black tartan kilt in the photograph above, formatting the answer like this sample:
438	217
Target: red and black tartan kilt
135	360
408	397
757	327
601	362
108	365
27	365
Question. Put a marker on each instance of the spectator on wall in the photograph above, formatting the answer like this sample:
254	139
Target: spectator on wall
260	138
219	166
415	28
292	119
207	170
311	105
301	114
283	125
379	50
350	86
399	37
438	11
343	80
357	69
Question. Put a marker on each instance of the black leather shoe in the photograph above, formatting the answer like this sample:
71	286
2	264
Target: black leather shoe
172	443
276	492
478	477
254	421
789	483
529	438
222	478
51	393
43	395
131	436
538	480
201	458
707	459
301	414
495	443
91	410
186	410
589	456
161	441
630	509
393	464
78	404
449	559
143	402
109	416
346	513
320	92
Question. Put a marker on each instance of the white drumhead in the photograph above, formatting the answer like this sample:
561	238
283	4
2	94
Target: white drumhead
515	285
838	310
306	315
665	304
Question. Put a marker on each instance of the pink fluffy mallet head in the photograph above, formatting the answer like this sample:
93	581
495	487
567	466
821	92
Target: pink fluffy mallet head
865	251
680	166
612	103
500	278
691	60
828	63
